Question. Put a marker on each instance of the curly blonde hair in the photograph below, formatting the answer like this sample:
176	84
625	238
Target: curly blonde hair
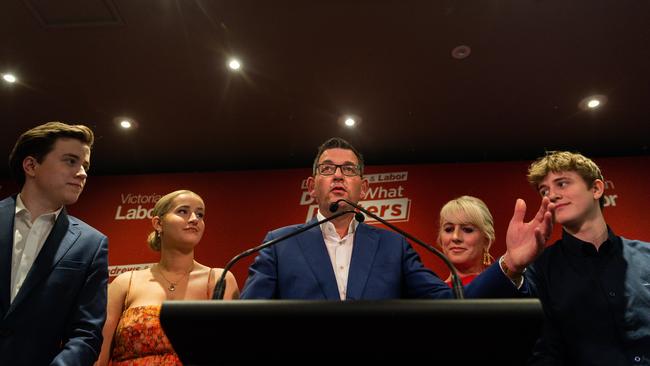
563	161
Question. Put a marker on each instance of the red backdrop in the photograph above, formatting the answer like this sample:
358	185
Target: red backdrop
242	206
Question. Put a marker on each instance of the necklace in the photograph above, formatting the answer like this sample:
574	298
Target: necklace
172	285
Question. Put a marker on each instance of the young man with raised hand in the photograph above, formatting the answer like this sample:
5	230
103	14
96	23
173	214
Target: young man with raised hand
593	285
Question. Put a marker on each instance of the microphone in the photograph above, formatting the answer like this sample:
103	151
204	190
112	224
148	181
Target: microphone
357	215
457	286
220	287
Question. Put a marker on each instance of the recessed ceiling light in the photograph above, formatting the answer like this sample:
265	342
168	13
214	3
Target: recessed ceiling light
125	123
234	64
10	78
461	52
592	102
349	120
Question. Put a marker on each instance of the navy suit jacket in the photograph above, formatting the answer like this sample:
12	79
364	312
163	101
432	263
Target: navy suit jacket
58	314
383	266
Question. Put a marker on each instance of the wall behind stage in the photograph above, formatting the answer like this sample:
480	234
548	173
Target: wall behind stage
242	206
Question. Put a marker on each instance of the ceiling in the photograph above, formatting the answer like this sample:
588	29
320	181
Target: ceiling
307	63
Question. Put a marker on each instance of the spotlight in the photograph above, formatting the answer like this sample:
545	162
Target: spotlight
592	102
349	120
234	64
10	78
125	123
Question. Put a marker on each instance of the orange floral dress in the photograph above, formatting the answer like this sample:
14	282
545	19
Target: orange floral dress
140	340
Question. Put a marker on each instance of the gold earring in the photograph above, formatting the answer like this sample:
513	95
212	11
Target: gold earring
487	258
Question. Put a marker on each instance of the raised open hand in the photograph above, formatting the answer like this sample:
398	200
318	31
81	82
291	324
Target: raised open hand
525	240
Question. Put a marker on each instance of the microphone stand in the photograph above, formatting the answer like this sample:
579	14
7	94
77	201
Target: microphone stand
457	286
220	287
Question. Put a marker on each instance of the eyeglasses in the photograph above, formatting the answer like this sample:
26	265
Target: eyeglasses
347	169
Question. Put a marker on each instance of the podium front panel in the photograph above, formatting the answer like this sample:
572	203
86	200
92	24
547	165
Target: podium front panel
384	332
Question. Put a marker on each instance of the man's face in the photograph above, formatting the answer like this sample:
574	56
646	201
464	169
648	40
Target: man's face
59	179
575	202
326	189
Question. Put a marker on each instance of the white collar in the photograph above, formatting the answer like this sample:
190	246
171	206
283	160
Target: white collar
329	229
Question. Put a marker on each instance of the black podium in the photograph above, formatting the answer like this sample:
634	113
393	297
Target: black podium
399	332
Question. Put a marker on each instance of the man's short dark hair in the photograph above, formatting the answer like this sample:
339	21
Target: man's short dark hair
337	143
39	141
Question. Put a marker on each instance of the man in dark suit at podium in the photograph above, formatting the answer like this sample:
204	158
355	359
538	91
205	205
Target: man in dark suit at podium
346	260
53	267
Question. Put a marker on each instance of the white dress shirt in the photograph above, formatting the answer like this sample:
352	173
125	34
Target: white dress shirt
339	250
28	240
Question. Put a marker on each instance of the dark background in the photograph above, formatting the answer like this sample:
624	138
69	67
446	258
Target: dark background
307	63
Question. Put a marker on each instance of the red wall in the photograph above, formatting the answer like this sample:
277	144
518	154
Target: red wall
242	206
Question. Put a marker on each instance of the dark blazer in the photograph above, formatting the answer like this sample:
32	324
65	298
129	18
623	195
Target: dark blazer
596	302
58	314
383	266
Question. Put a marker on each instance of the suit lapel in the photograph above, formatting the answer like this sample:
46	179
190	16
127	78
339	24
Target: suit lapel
61	238
366	243
7	213
313	248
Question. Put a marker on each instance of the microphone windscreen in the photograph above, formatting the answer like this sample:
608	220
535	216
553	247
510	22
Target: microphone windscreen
359	216
334	207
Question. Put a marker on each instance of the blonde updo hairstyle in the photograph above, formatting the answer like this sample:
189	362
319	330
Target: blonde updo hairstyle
469	210
161	208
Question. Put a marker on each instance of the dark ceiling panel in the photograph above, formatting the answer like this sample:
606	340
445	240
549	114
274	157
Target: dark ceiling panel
306	63
74	13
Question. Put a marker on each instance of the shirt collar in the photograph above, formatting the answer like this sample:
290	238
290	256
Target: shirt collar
329	229
22	211
611	246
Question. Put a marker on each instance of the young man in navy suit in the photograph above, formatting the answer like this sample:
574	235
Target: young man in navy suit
53	266
346	260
